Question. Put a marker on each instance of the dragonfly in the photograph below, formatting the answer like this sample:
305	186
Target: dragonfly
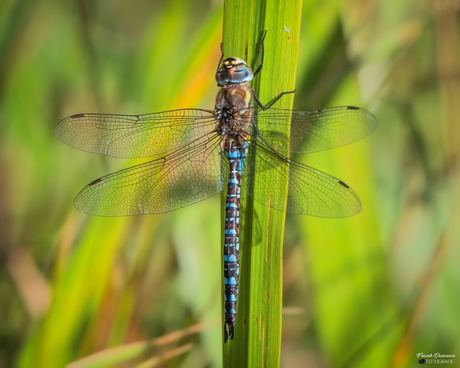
240	143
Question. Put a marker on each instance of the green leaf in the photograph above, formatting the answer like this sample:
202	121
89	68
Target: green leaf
257	340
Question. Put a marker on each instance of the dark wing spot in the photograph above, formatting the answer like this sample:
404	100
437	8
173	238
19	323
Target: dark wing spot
343	184
77	116
352	108
95	182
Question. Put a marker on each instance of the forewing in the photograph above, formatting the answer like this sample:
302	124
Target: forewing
310	191
315	130
129	136
184	177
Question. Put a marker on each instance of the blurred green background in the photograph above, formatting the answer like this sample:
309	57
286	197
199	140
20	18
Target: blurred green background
372	290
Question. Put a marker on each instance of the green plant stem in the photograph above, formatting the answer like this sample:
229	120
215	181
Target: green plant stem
257	341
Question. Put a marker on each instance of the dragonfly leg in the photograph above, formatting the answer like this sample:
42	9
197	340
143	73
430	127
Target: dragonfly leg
270	104
221	55
259	68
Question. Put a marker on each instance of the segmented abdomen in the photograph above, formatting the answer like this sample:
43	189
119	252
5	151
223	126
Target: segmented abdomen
236	158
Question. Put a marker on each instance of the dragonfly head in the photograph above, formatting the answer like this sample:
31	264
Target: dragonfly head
233	70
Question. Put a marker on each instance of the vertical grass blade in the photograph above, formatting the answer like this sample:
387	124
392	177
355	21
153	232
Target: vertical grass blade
258	329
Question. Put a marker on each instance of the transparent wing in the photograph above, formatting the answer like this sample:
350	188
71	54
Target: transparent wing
316	130
310	191
188	175
129	136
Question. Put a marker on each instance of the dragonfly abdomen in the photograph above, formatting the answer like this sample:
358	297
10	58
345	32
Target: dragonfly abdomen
236	157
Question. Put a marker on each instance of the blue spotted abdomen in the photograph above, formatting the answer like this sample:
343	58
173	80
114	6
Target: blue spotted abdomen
236	157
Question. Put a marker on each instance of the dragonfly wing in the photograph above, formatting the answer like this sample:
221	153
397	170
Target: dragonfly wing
315	130
183	177
129	136
310	191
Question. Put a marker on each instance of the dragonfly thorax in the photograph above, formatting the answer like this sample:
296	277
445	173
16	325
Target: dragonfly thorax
230	125
223	114
233	70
